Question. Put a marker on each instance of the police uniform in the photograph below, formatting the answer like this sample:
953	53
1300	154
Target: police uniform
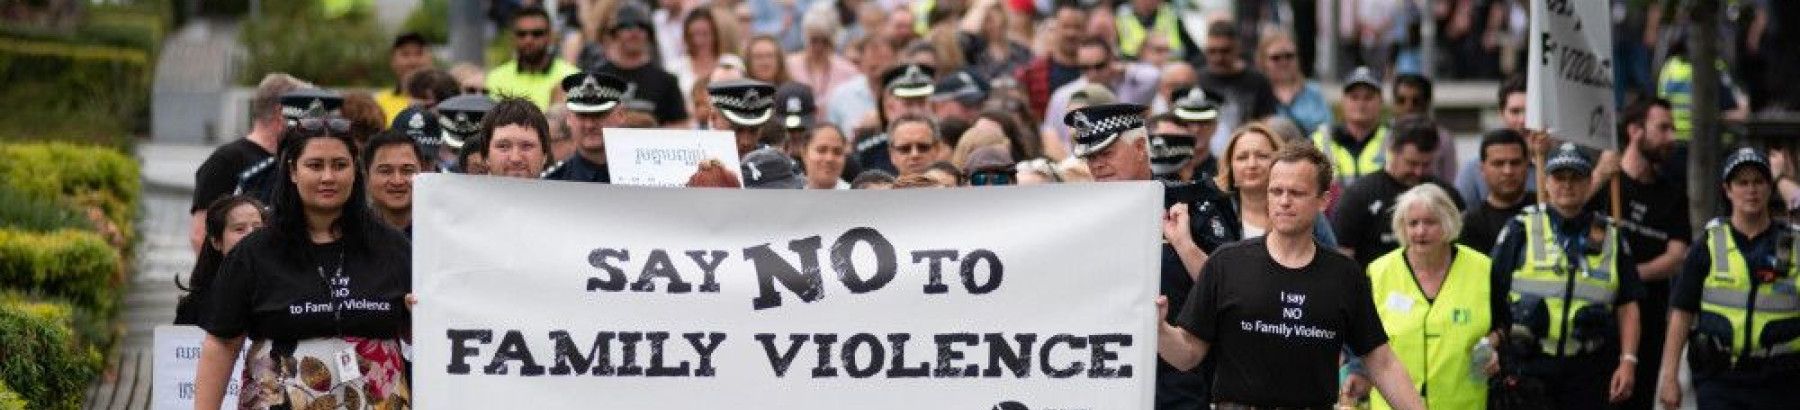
259	180
1193	105
587	94
1211	220
422	126
1563	277
459	118
1744	348
745	103
910	80
1351	160
1169	152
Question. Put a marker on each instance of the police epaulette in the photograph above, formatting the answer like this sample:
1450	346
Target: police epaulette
552	169
255	169
871	142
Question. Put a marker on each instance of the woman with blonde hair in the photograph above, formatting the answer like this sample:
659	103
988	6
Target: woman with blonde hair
1244	176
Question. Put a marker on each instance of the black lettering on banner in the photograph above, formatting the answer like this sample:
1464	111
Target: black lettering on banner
709	282
705	349
1098	369
947	356
615	277
846	267
513	348
825	369
995	271
770	267
876	353
1044	356
934	283
658	266
1017	360
899	369
628	365
780	362
459	350
570	361
657	369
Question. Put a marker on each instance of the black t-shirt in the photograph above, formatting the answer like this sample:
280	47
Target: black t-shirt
318	290
1061	75
1482	223
578	168
1362	216
1276	332
656	85
1248	95
1653	214
218	176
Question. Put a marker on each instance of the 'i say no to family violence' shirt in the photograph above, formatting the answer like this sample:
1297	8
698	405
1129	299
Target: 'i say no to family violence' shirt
1276	332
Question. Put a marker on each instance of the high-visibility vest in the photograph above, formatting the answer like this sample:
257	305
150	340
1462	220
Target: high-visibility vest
1731	291
1546	274
1676	84
1434	338
1347	167
1132	33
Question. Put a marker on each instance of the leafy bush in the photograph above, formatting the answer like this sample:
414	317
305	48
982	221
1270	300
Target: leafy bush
81	175
90	330
72	264
431	19
73	88
44	363
297	38
10	400
24	212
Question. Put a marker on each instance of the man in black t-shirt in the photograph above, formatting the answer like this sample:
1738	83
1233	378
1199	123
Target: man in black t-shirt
1247	94
1653	223
631	57
1504	163
218	176
1361	215
1277	311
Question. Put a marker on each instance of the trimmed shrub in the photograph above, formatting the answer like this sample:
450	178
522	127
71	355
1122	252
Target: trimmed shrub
81	176
77	87
10	400
92	331
44	363
24	212
296	37
72	264
431	19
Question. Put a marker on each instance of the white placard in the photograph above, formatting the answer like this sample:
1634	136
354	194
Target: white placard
175	359
640	298
659	157
1570	67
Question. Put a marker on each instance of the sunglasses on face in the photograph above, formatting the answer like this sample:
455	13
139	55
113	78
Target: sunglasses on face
1283	56
992	177
910	149
317	125
531	33
475	90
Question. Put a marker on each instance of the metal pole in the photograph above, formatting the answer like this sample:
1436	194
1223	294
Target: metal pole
1325	53
466	42
1704	148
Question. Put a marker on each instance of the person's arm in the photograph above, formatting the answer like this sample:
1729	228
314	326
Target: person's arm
1506	257
1675	339
971	21
216	357
1652	22
1174	344
1175	230
1620	388
1391	379
197	231
1665	265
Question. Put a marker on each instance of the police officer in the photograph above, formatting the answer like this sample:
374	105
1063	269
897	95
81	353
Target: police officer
1735	299
592	101
316	106
1170	152
742	106
1112	138
422	126
460	119
906	89
1565	296
1198	112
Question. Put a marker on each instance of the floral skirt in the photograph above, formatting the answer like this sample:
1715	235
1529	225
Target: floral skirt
327	373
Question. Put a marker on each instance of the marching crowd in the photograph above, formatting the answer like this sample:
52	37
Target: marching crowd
1313	257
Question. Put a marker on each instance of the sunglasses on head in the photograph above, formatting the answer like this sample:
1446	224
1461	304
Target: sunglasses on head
316	125
532	33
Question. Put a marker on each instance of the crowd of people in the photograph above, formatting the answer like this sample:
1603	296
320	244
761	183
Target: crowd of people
1310	254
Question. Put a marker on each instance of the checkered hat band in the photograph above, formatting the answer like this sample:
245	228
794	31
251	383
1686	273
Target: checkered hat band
1106	127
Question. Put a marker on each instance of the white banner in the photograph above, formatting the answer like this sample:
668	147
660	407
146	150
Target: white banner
175	358
658	157
534	294
1570	67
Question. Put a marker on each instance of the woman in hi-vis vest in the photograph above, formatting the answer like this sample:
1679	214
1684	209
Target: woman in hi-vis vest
1434	299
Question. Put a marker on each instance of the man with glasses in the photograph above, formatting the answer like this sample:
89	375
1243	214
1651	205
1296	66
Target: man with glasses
535	71
1412	97
1247	94
916	144
906	90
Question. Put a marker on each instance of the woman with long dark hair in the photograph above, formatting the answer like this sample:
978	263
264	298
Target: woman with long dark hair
320	293
228	220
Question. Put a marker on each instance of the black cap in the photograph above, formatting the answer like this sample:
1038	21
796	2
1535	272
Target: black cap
1745	157
795	105
410	38
420	125
961	86
460	117
1098	126
1362	76
745	102
1195	104
909	80
593	93
766	168
1568	157
310	103
1170	151
630	15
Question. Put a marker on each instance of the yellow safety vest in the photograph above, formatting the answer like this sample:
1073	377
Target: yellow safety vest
1347	167
1545	272
1732	292
1434	338
507	81
1676	84
1132	33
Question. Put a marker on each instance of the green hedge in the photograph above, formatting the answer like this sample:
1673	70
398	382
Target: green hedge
24	212
45	364
431	19
79	91
10	400
81	175
77	265
296	37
